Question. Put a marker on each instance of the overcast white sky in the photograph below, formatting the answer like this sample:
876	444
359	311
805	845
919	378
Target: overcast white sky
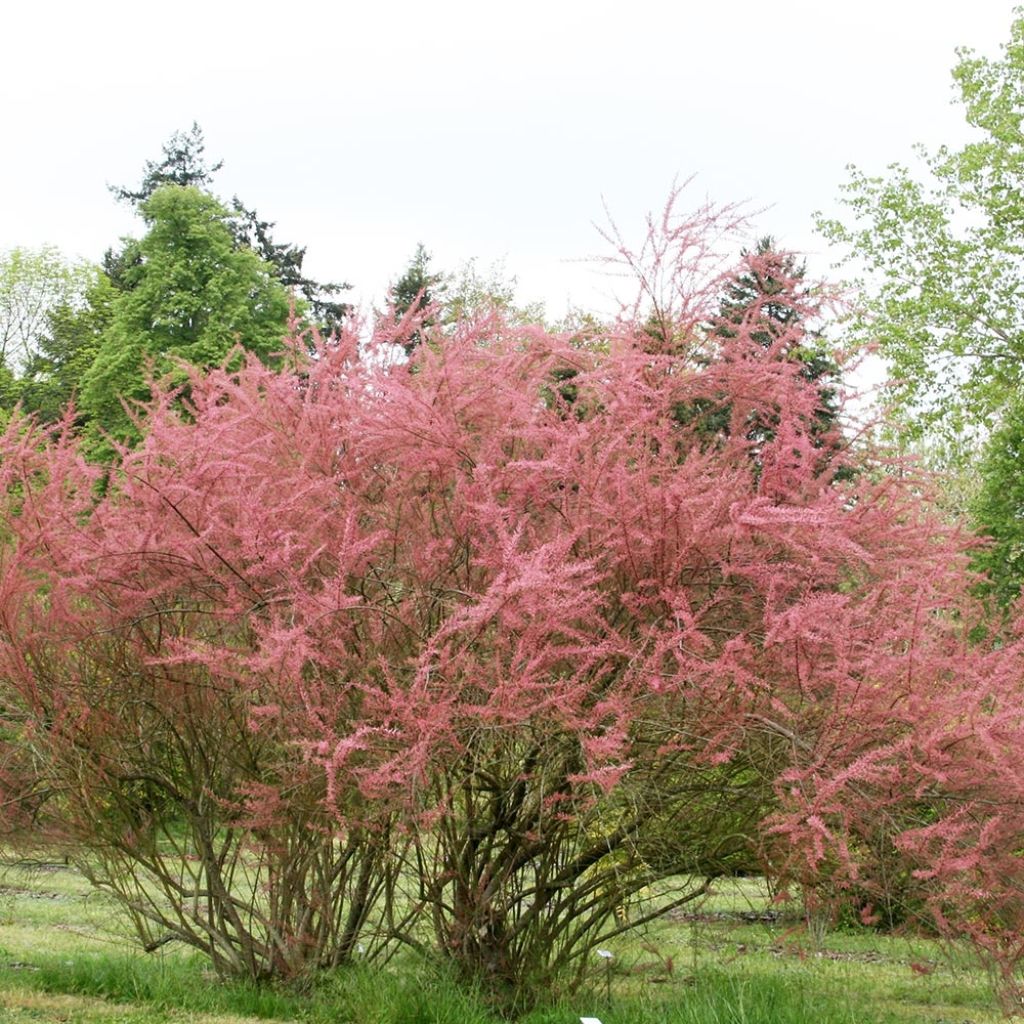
483	130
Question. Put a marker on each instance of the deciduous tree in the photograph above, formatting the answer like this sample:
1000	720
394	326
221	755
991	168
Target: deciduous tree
944	286
33	283
65	349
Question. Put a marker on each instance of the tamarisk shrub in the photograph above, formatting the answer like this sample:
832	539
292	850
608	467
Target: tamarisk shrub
928	790
452	653
144	634
635	629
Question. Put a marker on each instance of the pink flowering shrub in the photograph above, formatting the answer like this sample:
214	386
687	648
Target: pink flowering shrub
472	650
136	682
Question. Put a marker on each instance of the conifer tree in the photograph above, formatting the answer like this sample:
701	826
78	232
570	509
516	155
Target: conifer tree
417	289
189	293
767	298
65	351
184	163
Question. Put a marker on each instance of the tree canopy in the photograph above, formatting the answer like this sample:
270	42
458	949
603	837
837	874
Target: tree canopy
33	283
943	254
944	296
190	293
184	163
415	292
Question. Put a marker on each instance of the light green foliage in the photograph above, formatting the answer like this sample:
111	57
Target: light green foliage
943	255
998	506
459	296
8	394
944	298
471	290
189	293
184	163
66	349
33	282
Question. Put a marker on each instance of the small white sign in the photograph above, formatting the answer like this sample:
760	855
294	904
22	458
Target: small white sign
589	1020
605	954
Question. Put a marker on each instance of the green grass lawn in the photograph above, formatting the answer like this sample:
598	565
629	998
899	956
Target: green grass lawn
65	956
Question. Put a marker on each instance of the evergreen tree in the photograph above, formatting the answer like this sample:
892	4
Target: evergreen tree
191	294
416	289
66	350
772	291
184	163
766	301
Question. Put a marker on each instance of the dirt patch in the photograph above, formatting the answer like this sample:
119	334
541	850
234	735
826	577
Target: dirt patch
23	892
